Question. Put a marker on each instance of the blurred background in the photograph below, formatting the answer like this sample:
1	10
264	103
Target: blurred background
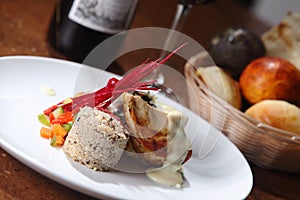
24	23
272	11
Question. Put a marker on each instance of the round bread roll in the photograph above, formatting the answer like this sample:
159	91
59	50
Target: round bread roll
270	78
220	83
277	113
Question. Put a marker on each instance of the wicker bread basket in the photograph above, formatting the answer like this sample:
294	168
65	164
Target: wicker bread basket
263	145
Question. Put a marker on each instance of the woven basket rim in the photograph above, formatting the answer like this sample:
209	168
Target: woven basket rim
254	123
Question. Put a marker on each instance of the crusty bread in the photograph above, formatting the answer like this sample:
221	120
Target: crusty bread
277	113
282	40
270	78
96	140
221	84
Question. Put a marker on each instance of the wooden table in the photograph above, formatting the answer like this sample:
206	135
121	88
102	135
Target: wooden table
23	28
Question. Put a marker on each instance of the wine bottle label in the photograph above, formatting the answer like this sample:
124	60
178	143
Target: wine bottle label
108	16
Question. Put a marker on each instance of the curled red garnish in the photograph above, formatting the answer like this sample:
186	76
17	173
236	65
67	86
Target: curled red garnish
103	97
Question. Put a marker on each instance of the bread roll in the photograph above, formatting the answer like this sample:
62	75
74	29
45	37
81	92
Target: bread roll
282	40
270	78
277	113
221	84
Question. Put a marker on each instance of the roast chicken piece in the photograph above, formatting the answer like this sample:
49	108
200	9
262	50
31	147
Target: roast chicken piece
156	131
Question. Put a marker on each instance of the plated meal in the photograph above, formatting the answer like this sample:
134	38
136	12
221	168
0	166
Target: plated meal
96	129
215	162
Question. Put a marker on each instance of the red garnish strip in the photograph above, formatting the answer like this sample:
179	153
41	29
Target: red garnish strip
114	88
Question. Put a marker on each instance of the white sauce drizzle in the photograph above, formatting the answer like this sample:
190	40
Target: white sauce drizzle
47	90
178	146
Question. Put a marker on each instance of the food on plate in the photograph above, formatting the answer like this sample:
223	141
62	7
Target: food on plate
277	113
270	78
95	130
57	123
220	83
282	40
64	112
96	139
148	127
157	134
234	48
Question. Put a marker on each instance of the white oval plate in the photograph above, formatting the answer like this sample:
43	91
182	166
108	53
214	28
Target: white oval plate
222	174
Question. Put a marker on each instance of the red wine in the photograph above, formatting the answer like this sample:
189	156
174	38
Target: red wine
80	25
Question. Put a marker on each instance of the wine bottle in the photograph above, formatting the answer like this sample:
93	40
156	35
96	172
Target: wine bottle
77	26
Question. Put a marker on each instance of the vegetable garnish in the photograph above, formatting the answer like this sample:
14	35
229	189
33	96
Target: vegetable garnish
60	117
45	132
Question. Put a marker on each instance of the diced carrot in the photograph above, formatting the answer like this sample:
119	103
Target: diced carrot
45	132
59	140
58	130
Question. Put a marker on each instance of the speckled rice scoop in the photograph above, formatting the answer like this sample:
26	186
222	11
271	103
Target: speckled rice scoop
96	140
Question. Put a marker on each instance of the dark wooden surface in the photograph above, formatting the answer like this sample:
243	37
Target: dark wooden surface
23	28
